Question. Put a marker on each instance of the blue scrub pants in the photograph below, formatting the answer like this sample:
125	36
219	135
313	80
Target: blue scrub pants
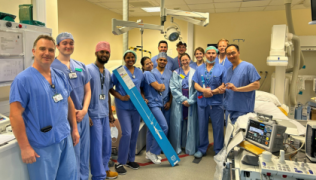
100	148
129	121
56	162
166	113
151	143
233	115
216	113
82	149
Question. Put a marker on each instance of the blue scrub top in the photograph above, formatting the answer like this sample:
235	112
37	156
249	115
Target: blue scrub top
176	62
185	81
77	84
226	63
154	98
165	79
244	74
99	108
138	81
35	94
169	64
215	79
193	65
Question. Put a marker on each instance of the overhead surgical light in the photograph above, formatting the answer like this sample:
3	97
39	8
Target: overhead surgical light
172	33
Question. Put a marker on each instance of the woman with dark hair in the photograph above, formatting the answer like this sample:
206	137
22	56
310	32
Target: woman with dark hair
127	114
183	120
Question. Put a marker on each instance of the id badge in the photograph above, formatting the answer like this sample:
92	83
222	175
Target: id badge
102	96
182	76
57	97
72	75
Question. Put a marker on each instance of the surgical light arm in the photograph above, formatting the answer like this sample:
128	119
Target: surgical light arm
189	16
129	25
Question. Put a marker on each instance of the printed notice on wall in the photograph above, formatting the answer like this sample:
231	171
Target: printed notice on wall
11	43
9	68
128	81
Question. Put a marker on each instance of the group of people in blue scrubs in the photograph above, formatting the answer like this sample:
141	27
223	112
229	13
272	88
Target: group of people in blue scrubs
60	109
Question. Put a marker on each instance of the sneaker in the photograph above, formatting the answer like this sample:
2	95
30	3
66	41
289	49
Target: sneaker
153	158
119	168
111	175
198	154
132	165
158	157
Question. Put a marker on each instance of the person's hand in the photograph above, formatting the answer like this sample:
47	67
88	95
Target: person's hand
90	122
185	103
163	88
111	118
207	92
125	98
29	155
80	115
75	136
221	90
167	105
231	86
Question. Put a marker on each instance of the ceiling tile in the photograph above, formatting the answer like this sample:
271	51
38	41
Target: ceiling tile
274	8
201	6
281	2
247	9
227	5
301	6
227	10
203	10
254	3
198	1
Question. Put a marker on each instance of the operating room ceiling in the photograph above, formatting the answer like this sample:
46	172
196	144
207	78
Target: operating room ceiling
211	6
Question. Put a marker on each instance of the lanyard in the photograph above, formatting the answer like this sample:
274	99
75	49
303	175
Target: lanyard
179	62
53	87
223	63
208	75
101	78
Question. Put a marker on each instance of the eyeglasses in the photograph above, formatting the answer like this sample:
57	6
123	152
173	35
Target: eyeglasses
232	53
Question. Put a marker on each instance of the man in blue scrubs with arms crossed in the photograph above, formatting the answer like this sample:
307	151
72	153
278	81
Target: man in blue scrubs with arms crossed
101	114
79	79
165	75
41	114
163	47
242	79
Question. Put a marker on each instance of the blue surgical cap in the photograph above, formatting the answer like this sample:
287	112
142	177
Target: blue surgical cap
162	55
130	51
63	36
211	47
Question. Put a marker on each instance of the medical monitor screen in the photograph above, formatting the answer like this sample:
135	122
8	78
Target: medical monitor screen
313	8
259	132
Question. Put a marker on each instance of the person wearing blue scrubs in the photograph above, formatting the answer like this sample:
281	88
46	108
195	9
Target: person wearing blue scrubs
79	79
43	116
127	114
242	80
199	55
153	88
163	47
184	129
222	58
101	115
164	74
181	48
209	82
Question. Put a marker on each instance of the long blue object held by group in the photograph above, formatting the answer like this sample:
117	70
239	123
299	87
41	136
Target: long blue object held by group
146	115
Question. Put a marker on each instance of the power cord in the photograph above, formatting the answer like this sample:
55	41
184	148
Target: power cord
264	80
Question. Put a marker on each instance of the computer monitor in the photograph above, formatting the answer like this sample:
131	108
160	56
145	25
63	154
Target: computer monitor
313	10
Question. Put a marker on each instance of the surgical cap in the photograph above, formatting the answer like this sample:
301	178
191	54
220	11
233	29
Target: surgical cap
162	55
130	51
211	47
103	45
63	36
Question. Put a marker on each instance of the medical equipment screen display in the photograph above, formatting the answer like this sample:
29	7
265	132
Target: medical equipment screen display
259	132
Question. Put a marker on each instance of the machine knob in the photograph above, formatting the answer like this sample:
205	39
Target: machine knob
296	163
8	24
282	158
303	164
266	156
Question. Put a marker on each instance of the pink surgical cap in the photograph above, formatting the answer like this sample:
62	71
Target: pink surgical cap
103	45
